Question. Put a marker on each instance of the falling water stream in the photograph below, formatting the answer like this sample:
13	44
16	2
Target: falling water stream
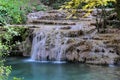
42	45
50	41
39	45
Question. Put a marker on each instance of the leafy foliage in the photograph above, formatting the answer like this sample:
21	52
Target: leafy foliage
13	36
17	78
12	11
6	36
40	7
85	4
4	48
4	72
89	5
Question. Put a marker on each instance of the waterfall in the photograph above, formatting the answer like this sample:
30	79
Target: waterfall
58	39
48	45
58	47
38	45
51	42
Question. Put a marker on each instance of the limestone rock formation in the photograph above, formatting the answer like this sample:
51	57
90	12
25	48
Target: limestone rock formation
76	41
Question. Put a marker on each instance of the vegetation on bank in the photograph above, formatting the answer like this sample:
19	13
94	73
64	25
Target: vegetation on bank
6	35
9	38
15	11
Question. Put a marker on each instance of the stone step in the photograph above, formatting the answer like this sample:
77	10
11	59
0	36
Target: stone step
52	22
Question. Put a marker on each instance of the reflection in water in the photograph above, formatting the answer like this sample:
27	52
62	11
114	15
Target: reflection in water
66	71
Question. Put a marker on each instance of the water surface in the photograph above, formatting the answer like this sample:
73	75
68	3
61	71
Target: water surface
30	70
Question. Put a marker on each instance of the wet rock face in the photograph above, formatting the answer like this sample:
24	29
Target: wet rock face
53	43
109	48
78	42
61	15
91	52
53	17
48	15
25	46
78	51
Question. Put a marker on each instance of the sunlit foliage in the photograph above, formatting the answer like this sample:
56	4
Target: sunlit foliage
73	5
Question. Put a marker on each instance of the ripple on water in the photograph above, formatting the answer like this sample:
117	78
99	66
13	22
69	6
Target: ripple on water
54	62
59	62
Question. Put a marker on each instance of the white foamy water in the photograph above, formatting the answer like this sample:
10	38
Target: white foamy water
47	41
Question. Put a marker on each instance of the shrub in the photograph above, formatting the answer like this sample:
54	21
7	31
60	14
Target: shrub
12	11
6	38
40	8
55	4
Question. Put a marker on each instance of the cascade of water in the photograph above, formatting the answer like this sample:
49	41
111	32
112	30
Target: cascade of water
59	45
42	45
39	39
61	50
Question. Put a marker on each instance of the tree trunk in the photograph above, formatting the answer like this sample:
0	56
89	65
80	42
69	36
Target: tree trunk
118	8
